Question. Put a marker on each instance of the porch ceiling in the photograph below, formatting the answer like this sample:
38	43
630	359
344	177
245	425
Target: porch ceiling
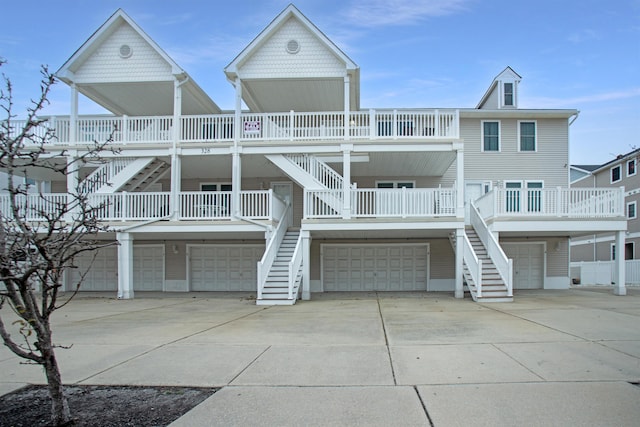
147	98
402	164
282	95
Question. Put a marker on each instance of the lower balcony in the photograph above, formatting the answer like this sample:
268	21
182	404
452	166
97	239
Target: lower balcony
571	203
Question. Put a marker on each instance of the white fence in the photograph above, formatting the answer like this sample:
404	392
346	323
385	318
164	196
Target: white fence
603	272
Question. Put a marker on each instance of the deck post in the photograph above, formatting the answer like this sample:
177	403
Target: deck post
459	291
236	178
459	183
306	264
620	265
346	180
125	265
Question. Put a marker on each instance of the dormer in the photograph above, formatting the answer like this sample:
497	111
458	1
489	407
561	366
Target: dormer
503	92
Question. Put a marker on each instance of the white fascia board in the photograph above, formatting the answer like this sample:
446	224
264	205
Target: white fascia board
204	228
348	225
551	226
404	148
205	149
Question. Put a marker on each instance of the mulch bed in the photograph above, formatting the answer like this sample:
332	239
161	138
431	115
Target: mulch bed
104	406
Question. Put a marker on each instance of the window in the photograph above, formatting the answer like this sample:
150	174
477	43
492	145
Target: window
508	94
631	210
616	174
490	136
631	167
527	132
395	184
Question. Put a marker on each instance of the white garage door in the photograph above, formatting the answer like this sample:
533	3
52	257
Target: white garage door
528	264
103	274
224	267
148	267
375	267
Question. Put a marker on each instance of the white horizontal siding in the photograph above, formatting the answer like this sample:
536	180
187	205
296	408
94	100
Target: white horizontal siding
272	60
549	163
105	64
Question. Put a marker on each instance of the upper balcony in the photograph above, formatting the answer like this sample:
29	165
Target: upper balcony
370	125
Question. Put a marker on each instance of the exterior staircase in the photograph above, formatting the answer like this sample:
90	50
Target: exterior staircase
276	288
125	174
493	287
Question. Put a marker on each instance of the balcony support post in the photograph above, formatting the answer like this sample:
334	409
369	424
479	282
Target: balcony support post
620	265
236	177
237	130
306	263
459	291
125	265
460	183
73	185
73	117
347	103
346	180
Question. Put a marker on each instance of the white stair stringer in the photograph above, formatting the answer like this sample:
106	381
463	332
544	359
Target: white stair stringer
312	174
149	175
103	175
493	287
276	287
119	180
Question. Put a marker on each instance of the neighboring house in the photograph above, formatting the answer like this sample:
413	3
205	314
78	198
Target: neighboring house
622	172
577	172
307	191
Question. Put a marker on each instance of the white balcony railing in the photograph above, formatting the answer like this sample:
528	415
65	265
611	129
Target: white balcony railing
383	203
34	207
287	126
552	202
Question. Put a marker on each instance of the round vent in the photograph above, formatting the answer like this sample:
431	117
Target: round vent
293	46
125	51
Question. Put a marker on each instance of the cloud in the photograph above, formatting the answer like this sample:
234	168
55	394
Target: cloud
375	13
584	36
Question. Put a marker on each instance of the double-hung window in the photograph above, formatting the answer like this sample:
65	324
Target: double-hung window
616	174
508	94
490	136
631	167
527	136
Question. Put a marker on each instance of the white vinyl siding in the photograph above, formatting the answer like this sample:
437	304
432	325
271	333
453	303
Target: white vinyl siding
106	64
272	60
550	160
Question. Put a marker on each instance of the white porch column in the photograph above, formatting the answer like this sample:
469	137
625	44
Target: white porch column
125	265
460	183
459	291
237	128
347	107
346	180
176	184
620	287
306	264
72	184
73	116
236	178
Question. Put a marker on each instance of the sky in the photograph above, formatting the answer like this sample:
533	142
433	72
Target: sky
575	54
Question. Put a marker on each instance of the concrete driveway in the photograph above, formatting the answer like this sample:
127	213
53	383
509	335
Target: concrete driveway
549	358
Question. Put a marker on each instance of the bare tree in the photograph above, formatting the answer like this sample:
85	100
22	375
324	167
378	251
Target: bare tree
40	235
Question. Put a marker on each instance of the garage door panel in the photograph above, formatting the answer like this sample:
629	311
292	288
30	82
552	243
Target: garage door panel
224	268
375	267
99	271
528	264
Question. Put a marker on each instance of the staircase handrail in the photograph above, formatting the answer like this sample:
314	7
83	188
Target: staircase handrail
474	264
104	174
294	265
319	170
503	264
271	250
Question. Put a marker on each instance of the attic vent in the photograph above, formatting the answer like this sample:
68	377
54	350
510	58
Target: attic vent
125	51
293	46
